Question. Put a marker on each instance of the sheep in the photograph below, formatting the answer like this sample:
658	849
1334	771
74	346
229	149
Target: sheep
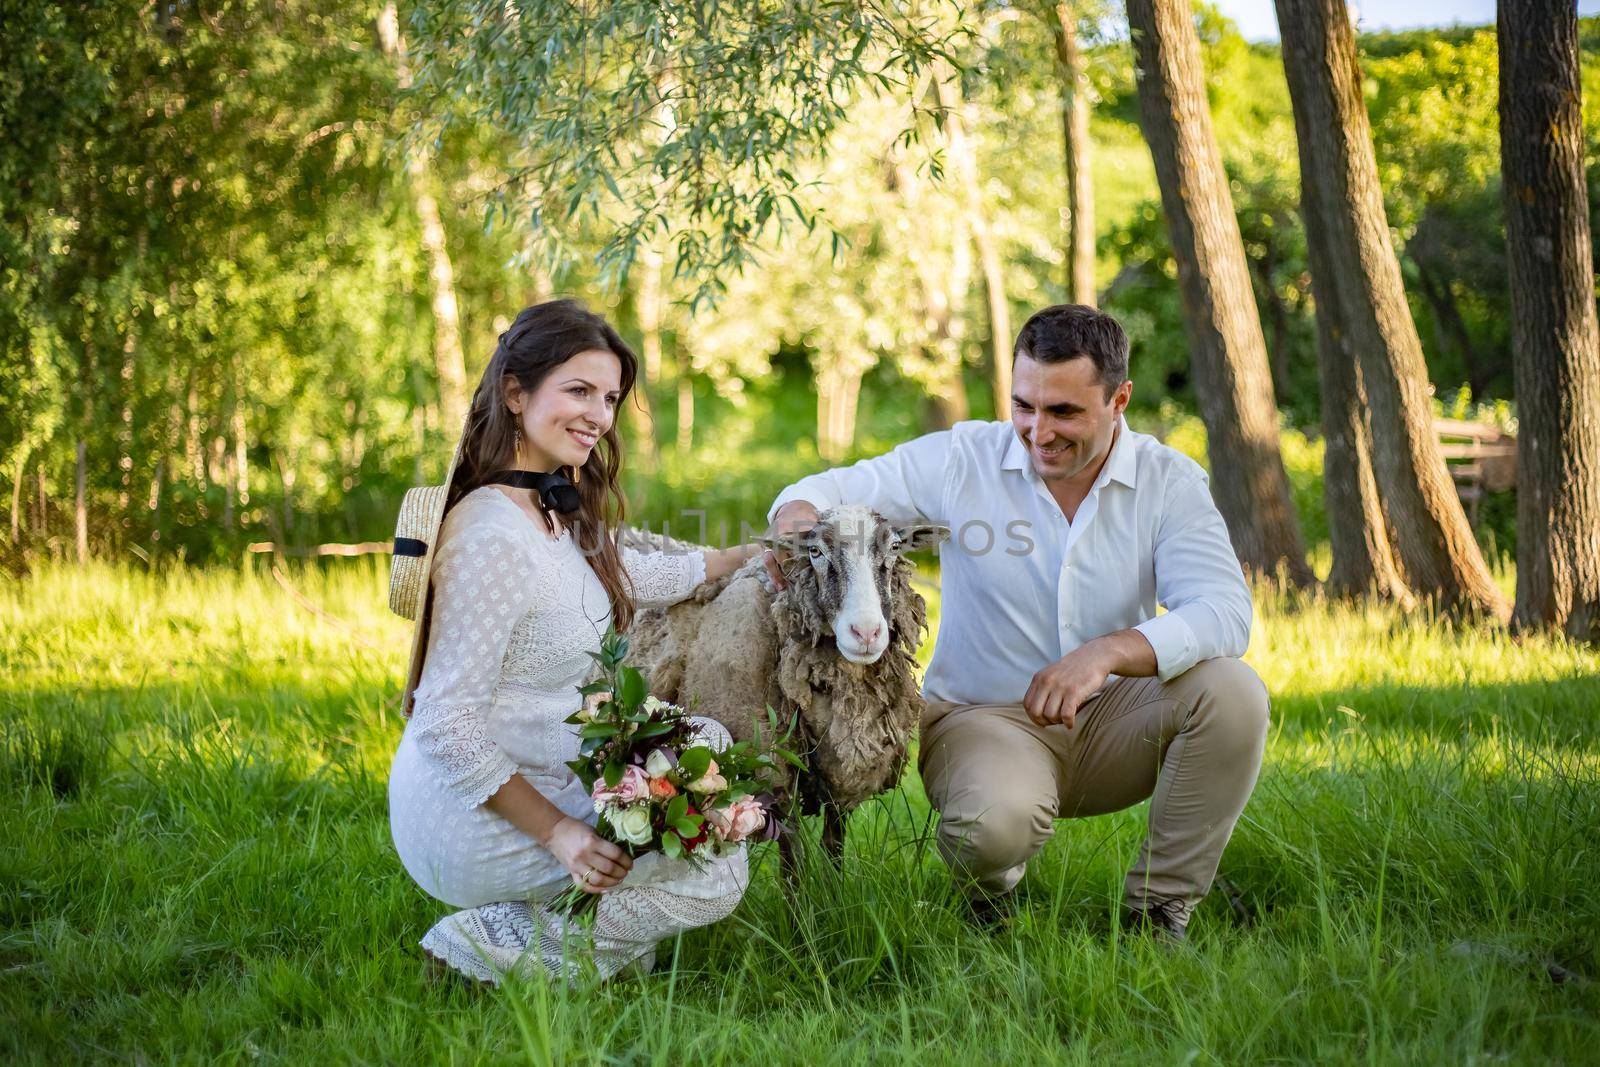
739	646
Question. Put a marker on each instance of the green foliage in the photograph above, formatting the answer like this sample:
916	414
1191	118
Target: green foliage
209	229
687	123
211	272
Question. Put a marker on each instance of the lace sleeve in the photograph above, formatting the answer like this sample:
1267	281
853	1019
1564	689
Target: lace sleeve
663	577
480	590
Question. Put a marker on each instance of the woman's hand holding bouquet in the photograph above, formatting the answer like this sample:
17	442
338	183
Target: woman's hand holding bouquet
594	863
657	786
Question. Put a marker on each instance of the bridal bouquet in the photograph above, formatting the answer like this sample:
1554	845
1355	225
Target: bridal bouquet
656	785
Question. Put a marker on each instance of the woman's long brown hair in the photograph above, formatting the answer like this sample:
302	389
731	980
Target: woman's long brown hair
542	338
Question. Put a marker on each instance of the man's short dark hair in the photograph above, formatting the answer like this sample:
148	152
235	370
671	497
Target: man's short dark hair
1076	331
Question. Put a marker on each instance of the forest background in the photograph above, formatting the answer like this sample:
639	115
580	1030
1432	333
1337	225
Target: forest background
228	301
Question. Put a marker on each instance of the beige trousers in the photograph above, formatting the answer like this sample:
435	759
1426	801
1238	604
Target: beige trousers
1192	744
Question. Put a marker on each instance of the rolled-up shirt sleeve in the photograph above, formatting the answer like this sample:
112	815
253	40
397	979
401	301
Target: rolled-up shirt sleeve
1198	581
481	589
906	484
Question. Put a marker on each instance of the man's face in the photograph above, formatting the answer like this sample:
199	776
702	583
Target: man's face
1062	415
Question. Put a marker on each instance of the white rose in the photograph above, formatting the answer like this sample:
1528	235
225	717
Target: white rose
633	824
657	763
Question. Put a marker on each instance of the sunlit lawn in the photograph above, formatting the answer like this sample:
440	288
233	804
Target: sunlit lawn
195	865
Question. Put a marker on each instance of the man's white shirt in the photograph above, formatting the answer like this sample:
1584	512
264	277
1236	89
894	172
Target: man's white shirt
1022	586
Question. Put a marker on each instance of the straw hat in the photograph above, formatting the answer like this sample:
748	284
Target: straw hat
416	534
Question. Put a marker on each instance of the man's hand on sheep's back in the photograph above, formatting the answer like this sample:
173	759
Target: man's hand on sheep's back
795	517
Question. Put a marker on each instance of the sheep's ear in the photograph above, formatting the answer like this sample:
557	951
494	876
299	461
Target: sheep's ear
788	542
919	536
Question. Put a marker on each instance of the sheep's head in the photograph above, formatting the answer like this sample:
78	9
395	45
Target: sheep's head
844	578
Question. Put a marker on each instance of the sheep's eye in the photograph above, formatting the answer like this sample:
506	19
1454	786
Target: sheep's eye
816	551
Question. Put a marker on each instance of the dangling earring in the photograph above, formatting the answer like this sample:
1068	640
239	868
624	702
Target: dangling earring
516	440
577	474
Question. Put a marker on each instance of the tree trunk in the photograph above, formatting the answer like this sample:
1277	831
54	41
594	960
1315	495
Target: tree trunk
1278	312
125	433
241	453
1438	554
1000	337
964	154
1232	379
838	389
229	457
1452	330
419	434
1075	128
193	446
81	503
649	302
16	497
448	359
156	481
944	293
947	402
685	405
1363	556
1555	342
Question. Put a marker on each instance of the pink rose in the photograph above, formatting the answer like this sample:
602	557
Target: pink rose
633	788
709	782
591	705
738	820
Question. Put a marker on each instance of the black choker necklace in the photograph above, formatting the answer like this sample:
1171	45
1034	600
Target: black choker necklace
556	493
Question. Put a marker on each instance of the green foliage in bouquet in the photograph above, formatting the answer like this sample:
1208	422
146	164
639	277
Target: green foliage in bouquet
656	785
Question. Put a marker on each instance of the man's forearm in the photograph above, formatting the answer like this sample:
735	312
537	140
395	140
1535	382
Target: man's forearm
1125	652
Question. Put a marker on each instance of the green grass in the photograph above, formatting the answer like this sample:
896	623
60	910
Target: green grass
195	866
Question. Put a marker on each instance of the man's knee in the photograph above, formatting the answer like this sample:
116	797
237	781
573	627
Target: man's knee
981	841
1233	695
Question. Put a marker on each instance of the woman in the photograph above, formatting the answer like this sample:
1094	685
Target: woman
484	812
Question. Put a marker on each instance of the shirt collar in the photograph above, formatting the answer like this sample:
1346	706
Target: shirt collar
1123	463
1121	466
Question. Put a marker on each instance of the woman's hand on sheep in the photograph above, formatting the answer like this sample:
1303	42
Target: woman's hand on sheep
796	516
723	562
594	863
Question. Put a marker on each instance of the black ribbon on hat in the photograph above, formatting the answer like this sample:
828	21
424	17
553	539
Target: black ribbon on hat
556	493
410	546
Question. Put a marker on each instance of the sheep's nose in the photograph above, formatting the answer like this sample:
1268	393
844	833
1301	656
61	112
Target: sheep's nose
868	638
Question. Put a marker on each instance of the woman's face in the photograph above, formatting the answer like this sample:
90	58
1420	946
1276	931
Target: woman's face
567	414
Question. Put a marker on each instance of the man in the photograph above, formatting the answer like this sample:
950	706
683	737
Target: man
1056	690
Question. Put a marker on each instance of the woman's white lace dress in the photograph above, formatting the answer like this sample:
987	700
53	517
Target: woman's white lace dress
515	614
